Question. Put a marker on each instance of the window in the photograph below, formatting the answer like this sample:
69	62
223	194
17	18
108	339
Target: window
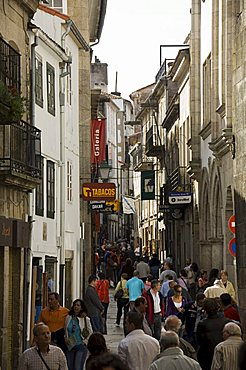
9	66
56	4
39	200
39	81
69	181
207	91
51	89
50	189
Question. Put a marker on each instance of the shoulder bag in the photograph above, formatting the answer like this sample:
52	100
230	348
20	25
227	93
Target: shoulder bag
47	367
85	332
120	292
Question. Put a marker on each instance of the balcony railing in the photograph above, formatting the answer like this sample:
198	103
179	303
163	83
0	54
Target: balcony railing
20	154
153	147
140	161
179	180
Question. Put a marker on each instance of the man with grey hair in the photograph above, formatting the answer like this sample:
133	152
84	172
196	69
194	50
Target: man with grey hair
172	357
226	352
43	354
173	323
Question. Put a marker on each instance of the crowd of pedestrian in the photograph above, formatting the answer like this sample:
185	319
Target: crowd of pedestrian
171	320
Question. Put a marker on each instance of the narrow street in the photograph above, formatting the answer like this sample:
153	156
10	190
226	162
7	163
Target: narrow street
115	334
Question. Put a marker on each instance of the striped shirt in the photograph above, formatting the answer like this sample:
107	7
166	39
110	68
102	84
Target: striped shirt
55	359
226	354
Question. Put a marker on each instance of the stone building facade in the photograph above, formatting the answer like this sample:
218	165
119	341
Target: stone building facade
216	202
89	18
239	131
19	174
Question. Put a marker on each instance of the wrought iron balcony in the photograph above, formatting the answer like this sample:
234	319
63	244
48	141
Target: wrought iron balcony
20	155
140	161
154	147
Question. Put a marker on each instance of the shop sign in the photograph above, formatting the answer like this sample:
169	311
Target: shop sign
98	141
148	185
103	206
179	198
97	206
99	191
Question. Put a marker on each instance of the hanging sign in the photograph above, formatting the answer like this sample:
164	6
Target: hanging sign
98	141
99	191
179	198
147	185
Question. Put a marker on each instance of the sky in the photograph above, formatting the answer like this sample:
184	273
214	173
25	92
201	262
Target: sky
131	37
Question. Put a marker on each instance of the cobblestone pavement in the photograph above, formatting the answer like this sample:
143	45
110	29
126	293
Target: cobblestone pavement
114	334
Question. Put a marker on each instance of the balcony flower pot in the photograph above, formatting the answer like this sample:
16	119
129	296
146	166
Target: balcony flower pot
12	104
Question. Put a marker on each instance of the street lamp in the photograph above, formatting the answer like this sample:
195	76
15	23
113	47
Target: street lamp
104	170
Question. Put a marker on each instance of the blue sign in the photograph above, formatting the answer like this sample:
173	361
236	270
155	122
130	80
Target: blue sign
232	247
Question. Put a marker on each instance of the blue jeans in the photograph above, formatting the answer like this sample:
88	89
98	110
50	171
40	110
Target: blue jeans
76	357
96	323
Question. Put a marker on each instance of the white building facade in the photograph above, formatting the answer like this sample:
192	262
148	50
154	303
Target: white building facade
54	208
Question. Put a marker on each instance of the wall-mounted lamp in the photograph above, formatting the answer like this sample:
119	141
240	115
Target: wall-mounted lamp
104	170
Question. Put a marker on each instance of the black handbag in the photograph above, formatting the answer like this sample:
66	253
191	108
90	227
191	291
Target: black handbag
120	292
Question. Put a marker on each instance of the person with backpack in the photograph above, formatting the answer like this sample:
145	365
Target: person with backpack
122	298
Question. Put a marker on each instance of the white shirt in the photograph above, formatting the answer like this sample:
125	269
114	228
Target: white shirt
214	291
156	300
138	350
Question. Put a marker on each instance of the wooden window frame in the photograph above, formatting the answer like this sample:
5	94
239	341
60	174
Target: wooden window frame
39	81
50	189
50	88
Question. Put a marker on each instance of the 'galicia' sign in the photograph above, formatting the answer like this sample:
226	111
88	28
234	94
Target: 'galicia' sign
179	198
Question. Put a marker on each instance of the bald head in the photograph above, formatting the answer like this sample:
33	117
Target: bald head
169	339
173	323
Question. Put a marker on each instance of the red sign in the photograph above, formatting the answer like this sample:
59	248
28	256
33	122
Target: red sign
232	247
98	141
232	224
99	191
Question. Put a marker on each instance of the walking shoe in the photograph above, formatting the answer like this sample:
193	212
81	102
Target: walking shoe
117	325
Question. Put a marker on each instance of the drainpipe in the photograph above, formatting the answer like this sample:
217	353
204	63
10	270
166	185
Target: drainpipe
63	73
28	251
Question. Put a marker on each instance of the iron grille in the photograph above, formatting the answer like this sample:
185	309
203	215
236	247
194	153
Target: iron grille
20	149
9	66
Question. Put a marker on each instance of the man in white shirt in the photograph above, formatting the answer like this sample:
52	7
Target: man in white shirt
155	308
215	290
137	349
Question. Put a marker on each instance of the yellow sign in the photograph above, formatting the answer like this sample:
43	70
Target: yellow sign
115	204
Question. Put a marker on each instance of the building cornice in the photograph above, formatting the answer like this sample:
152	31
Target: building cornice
224	144
29	5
